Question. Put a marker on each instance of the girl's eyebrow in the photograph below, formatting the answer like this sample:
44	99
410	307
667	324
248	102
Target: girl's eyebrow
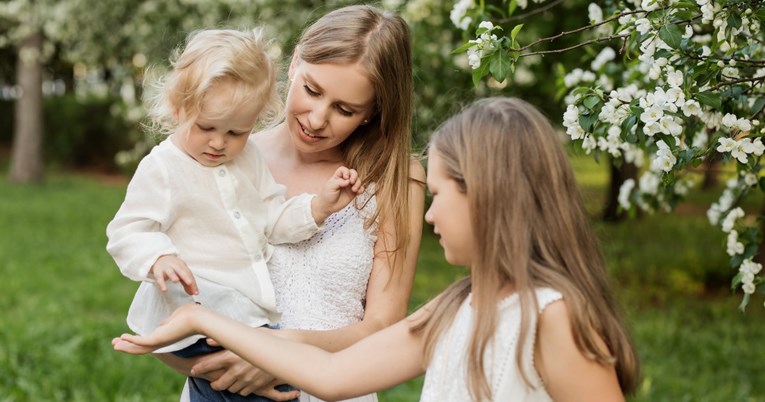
321	89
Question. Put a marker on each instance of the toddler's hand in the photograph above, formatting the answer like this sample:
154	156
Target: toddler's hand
172	268
340	189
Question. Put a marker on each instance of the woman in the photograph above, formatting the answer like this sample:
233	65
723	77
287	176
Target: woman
349	102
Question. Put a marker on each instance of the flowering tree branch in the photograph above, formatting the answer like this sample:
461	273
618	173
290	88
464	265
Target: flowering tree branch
686	73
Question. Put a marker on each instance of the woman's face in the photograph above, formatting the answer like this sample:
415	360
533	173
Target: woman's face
449	213
326	103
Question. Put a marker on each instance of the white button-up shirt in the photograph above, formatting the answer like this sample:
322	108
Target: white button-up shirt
219	220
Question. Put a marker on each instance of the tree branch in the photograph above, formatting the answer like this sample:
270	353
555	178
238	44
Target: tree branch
589	42
739	81
578	30
531	13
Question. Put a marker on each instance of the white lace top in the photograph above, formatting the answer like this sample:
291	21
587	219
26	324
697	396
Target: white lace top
321	283
446	376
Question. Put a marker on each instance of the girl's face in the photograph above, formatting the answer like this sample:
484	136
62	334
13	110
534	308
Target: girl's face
449	213
326	103
219	133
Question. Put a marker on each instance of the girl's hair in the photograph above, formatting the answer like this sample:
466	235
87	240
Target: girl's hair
380	151
210	57
531	231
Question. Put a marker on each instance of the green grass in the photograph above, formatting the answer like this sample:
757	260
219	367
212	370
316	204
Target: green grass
63	299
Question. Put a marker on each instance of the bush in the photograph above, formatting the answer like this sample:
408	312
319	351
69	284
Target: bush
80	133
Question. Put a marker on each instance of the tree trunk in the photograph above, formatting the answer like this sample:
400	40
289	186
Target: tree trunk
618	175
26	156
711	168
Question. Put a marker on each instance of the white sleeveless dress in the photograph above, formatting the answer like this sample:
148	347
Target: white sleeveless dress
321	283
446	376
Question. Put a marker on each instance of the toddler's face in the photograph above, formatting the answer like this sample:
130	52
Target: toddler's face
220	132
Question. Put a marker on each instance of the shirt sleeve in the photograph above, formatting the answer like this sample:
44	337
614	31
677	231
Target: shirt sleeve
289	220
136	237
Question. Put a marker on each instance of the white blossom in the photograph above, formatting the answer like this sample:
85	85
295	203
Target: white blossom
731	218
624	193
595	13
733	246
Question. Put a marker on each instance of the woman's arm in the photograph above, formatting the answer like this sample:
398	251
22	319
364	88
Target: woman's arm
387	358
557	357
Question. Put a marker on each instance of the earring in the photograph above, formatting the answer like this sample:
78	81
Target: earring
365	122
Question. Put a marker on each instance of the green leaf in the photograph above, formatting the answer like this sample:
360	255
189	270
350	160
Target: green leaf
480	72
515	31
744	303
499	65
671	34
591	101
511	7
463	48
586	121
710	99
734	21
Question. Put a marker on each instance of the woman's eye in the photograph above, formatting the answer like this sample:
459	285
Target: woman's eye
310	91
344	112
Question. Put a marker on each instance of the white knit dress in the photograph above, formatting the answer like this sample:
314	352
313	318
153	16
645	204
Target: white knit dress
321	283
446	376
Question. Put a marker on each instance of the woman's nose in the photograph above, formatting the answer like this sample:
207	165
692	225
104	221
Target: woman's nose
317	119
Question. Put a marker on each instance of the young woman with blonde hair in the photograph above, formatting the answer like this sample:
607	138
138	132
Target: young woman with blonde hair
534	321
349	103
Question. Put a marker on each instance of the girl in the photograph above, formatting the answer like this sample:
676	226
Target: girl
202	205
534	321
349	102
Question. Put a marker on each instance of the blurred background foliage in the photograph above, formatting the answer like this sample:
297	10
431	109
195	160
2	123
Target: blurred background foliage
100	52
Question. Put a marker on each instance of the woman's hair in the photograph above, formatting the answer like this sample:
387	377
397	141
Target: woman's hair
210	57
530	230
380	151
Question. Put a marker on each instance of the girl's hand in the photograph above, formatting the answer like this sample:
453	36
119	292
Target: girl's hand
171	268
340	189
179	325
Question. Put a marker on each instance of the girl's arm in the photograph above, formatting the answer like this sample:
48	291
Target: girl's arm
387	302
387	358
557	357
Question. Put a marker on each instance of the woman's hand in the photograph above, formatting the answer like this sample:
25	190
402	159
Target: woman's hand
227	371
235	374
179	325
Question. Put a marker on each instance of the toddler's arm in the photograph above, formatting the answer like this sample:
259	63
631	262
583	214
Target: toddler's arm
135	236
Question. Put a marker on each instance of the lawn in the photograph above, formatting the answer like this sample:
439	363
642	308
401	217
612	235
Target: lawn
63	299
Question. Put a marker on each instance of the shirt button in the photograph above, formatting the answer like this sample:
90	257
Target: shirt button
221	173
237	215
258	258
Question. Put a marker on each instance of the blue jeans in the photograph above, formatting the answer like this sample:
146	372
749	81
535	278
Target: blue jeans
200	390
